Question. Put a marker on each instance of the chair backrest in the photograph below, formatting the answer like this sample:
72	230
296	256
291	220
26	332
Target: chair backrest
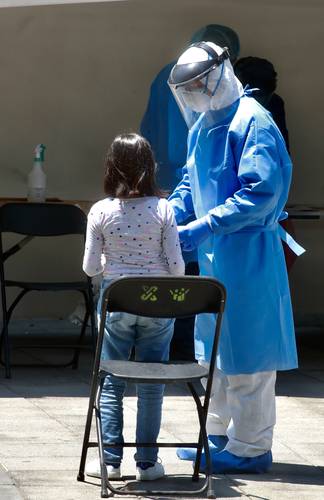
168	297
164	296
42	219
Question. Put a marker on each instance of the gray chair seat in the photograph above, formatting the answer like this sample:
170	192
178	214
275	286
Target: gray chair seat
140	372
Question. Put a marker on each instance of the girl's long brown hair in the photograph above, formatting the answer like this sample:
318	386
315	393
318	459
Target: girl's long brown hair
130	168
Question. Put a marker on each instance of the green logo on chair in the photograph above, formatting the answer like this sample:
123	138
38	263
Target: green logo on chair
179	294
149	293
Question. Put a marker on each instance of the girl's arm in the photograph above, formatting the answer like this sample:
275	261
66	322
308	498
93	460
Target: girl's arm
171	244
93	247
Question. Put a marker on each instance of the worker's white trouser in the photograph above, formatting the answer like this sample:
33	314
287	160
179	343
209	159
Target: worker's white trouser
243	408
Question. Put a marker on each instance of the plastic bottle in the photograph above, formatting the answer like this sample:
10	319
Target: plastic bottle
37	177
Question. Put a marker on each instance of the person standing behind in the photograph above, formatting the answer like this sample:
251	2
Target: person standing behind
236	183
135	230
260	76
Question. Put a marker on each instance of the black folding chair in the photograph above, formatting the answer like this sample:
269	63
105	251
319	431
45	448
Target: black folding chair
41	219
156	296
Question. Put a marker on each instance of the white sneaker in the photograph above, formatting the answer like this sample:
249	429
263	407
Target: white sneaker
93	469
151	473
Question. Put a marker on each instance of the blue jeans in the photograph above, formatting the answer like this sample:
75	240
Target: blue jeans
151	339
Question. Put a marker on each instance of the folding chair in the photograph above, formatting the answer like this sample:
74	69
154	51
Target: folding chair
41	219
156	296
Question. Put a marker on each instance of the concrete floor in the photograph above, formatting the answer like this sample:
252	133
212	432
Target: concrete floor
42	415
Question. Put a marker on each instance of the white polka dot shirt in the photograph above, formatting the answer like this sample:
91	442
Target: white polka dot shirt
132	236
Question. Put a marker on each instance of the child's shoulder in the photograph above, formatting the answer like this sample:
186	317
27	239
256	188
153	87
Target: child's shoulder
160	204
103	202
101	205
151	201
163	202
165	209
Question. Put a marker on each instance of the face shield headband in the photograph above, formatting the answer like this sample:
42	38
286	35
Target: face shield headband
182	74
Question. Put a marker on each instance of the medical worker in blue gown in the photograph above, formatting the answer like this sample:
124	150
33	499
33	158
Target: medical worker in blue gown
235	183
166	130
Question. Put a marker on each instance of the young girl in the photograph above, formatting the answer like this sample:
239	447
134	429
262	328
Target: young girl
135	230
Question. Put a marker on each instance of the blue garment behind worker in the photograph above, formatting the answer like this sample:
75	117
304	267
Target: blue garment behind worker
238	171
164	127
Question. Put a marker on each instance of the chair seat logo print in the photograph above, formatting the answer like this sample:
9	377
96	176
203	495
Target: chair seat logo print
149	293
178	294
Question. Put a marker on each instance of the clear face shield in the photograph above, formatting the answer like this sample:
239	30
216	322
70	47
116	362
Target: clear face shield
194	84
194	98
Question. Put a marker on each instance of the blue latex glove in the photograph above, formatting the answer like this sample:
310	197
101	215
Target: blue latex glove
194	233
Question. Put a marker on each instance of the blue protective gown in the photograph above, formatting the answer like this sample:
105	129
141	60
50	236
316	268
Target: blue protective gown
238	171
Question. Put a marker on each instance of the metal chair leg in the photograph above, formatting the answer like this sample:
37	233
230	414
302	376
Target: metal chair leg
87	430
195	476
107	488
203	439
5	330
6	348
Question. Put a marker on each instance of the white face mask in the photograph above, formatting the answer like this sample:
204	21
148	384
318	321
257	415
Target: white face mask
198	102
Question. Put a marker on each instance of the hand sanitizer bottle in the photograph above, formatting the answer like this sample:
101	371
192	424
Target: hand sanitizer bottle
37	177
